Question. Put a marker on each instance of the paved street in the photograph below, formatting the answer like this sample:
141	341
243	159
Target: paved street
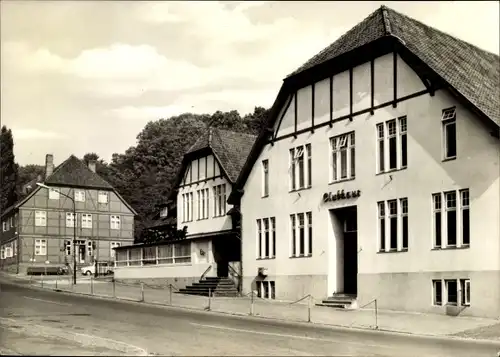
131	328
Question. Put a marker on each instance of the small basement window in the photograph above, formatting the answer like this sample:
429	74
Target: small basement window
452	292
437	292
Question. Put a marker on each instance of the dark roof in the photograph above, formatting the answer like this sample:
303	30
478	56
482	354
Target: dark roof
73	172
230	148
473	72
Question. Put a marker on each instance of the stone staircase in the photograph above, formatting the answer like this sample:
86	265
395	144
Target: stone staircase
340	301
217	286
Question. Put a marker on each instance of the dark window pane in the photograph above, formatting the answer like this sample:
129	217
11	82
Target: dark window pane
310	240
381	155
382	234
466	226
404	151
353	163
452	227
273	290
437	228
451	286
301	171
405	232
392	153
394	232
267	243
302	241
259	289
343	164
438	298
451	140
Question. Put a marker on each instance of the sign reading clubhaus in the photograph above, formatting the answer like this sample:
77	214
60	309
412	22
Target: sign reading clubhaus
340	195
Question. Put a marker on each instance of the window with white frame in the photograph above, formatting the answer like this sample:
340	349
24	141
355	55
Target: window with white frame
86	220
79	196
266	238
4	226
300	168
266	289
393	225
220	200
203	203
178	253
392	145
187	207
103	197
115	222
135	256
70	219
451	222
265	178
15	247
53	194
301	234
451	286
8	251
112	246
343	157
449	124
40	218
437	288
40	247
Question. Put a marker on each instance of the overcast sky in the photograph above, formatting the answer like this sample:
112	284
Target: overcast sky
87	76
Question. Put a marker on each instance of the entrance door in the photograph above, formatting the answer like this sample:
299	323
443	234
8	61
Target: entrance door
350	252
81	253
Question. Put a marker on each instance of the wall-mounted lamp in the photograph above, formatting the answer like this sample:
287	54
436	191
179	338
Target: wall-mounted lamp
202	252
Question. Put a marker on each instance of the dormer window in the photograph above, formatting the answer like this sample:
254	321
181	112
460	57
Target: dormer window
103	197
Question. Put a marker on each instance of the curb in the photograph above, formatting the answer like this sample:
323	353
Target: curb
364	329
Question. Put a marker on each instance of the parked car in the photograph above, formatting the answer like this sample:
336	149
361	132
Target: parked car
103	268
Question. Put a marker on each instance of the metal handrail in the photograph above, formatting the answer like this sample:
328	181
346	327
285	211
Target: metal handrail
205	272
234	271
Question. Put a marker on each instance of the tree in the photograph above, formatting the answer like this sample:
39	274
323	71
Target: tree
8	170
27	174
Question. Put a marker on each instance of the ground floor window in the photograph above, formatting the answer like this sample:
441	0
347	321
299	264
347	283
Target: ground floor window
176	253
40	247
451	292
393	225
266	289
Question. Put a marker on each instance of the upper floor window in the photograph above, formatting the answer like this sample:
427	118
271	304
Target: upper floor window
451	220
53	194
187	207
449	123
220	200
86	220
70	219
79	196
265	178
4	226
115	222
343	160
203	203
40	218
392	147
300	167
393	225
102	197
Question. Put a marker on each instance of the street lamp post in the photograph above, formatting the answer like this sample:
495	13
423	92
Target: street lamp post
74	228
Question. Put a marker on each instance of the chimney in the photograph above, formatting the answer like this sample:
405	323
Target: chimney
92	164
49	165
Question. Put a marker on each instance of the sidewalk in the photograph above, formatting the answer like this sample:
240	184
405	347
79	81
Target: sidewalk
414	323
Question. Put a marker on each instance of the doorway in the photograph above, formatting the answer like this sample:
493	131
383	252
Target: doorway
345	232
81	251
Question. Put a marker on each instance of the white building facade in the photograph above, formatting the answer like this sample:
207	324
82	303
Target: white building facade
377	181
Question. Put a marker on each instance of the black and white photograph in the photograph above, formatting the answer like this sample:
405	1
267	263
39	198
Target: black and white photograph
250	178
